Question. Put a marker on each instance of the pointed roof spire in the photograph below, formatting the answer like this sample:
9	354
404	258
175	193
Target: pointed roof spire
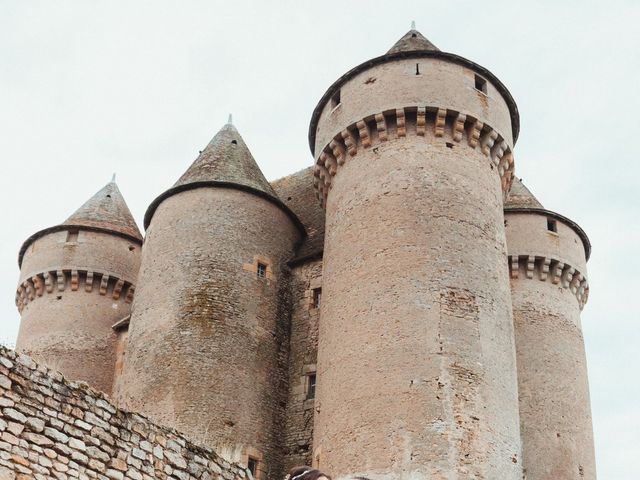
227	162
106	210
521	197
227	159
230	121
411	41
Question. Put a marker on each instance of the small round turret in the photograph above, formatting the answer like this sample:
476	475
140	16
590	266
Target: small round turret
547	258
77	279
207	337
416	363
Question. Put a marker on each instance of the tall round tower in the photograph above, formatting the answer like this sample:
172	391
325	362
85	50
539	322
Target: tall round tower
77	279
547	258
416	362
208	333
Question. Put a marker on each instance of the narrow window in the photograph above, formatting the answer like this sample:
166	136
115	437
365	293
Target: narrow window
481	84
335	99
311	386
417	69
252	465
234	142
261	271
72	236
552	225
317	296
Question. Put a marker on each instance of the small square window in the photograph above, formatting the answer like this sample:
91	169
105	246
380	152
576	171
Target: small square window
72	236
252	466
317	297
261	271
335	99
552	225
311	386
481	84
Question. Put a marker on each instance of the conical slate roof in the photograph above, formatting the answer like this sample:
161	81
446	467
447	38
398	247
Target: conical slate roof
521	197
411	41
106	210
225	162
227	159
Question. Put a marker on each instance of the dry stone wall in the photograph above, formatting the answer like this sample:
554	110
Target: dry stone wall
52	428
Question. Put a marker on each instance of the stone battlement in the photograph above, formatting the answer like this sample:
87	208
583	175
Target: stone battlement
104	283
413	120
52	428
550	269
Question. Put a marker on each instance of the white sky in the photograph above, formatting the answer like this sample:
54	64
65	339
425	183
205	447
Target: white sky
137	87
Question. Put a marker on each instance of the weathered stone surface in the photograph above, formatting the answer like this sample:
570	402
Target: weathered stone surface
29	448
411	382
414	354
82	274
229	309
306	284
555	412
35	424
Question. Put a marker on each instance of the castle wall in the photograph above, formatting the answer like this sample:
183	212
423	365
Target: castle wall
393	85
208	338
305	314
69	296
96	251
527	234
51	428
416	360
549	287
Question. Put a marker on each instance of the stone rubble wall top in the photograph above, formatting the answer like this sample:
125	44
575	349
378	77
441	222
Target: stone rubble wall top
53	428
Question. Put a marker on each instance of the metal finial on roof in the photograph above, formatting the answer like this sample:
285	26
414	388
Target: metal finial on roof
113	178
230	121
413	24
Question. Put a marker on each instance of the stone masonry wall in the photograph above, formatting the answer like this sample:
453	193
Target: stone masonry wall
416	357
51	428
201	306
305	314
71	292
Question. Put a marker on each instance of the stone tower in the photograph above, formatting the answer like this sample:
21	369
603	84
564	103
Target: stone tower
207	345
416	358
547	258
77	279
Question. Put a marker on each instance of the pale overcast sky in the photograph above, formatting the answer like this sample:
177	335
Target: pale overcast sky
137	88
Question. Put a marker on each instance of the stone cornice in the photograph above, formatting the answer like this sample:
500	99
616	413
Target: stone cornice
66	227
552	270
413	120
59	280
389	57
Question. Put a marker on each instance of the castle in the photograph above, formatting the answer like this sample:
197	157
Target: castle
403	309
